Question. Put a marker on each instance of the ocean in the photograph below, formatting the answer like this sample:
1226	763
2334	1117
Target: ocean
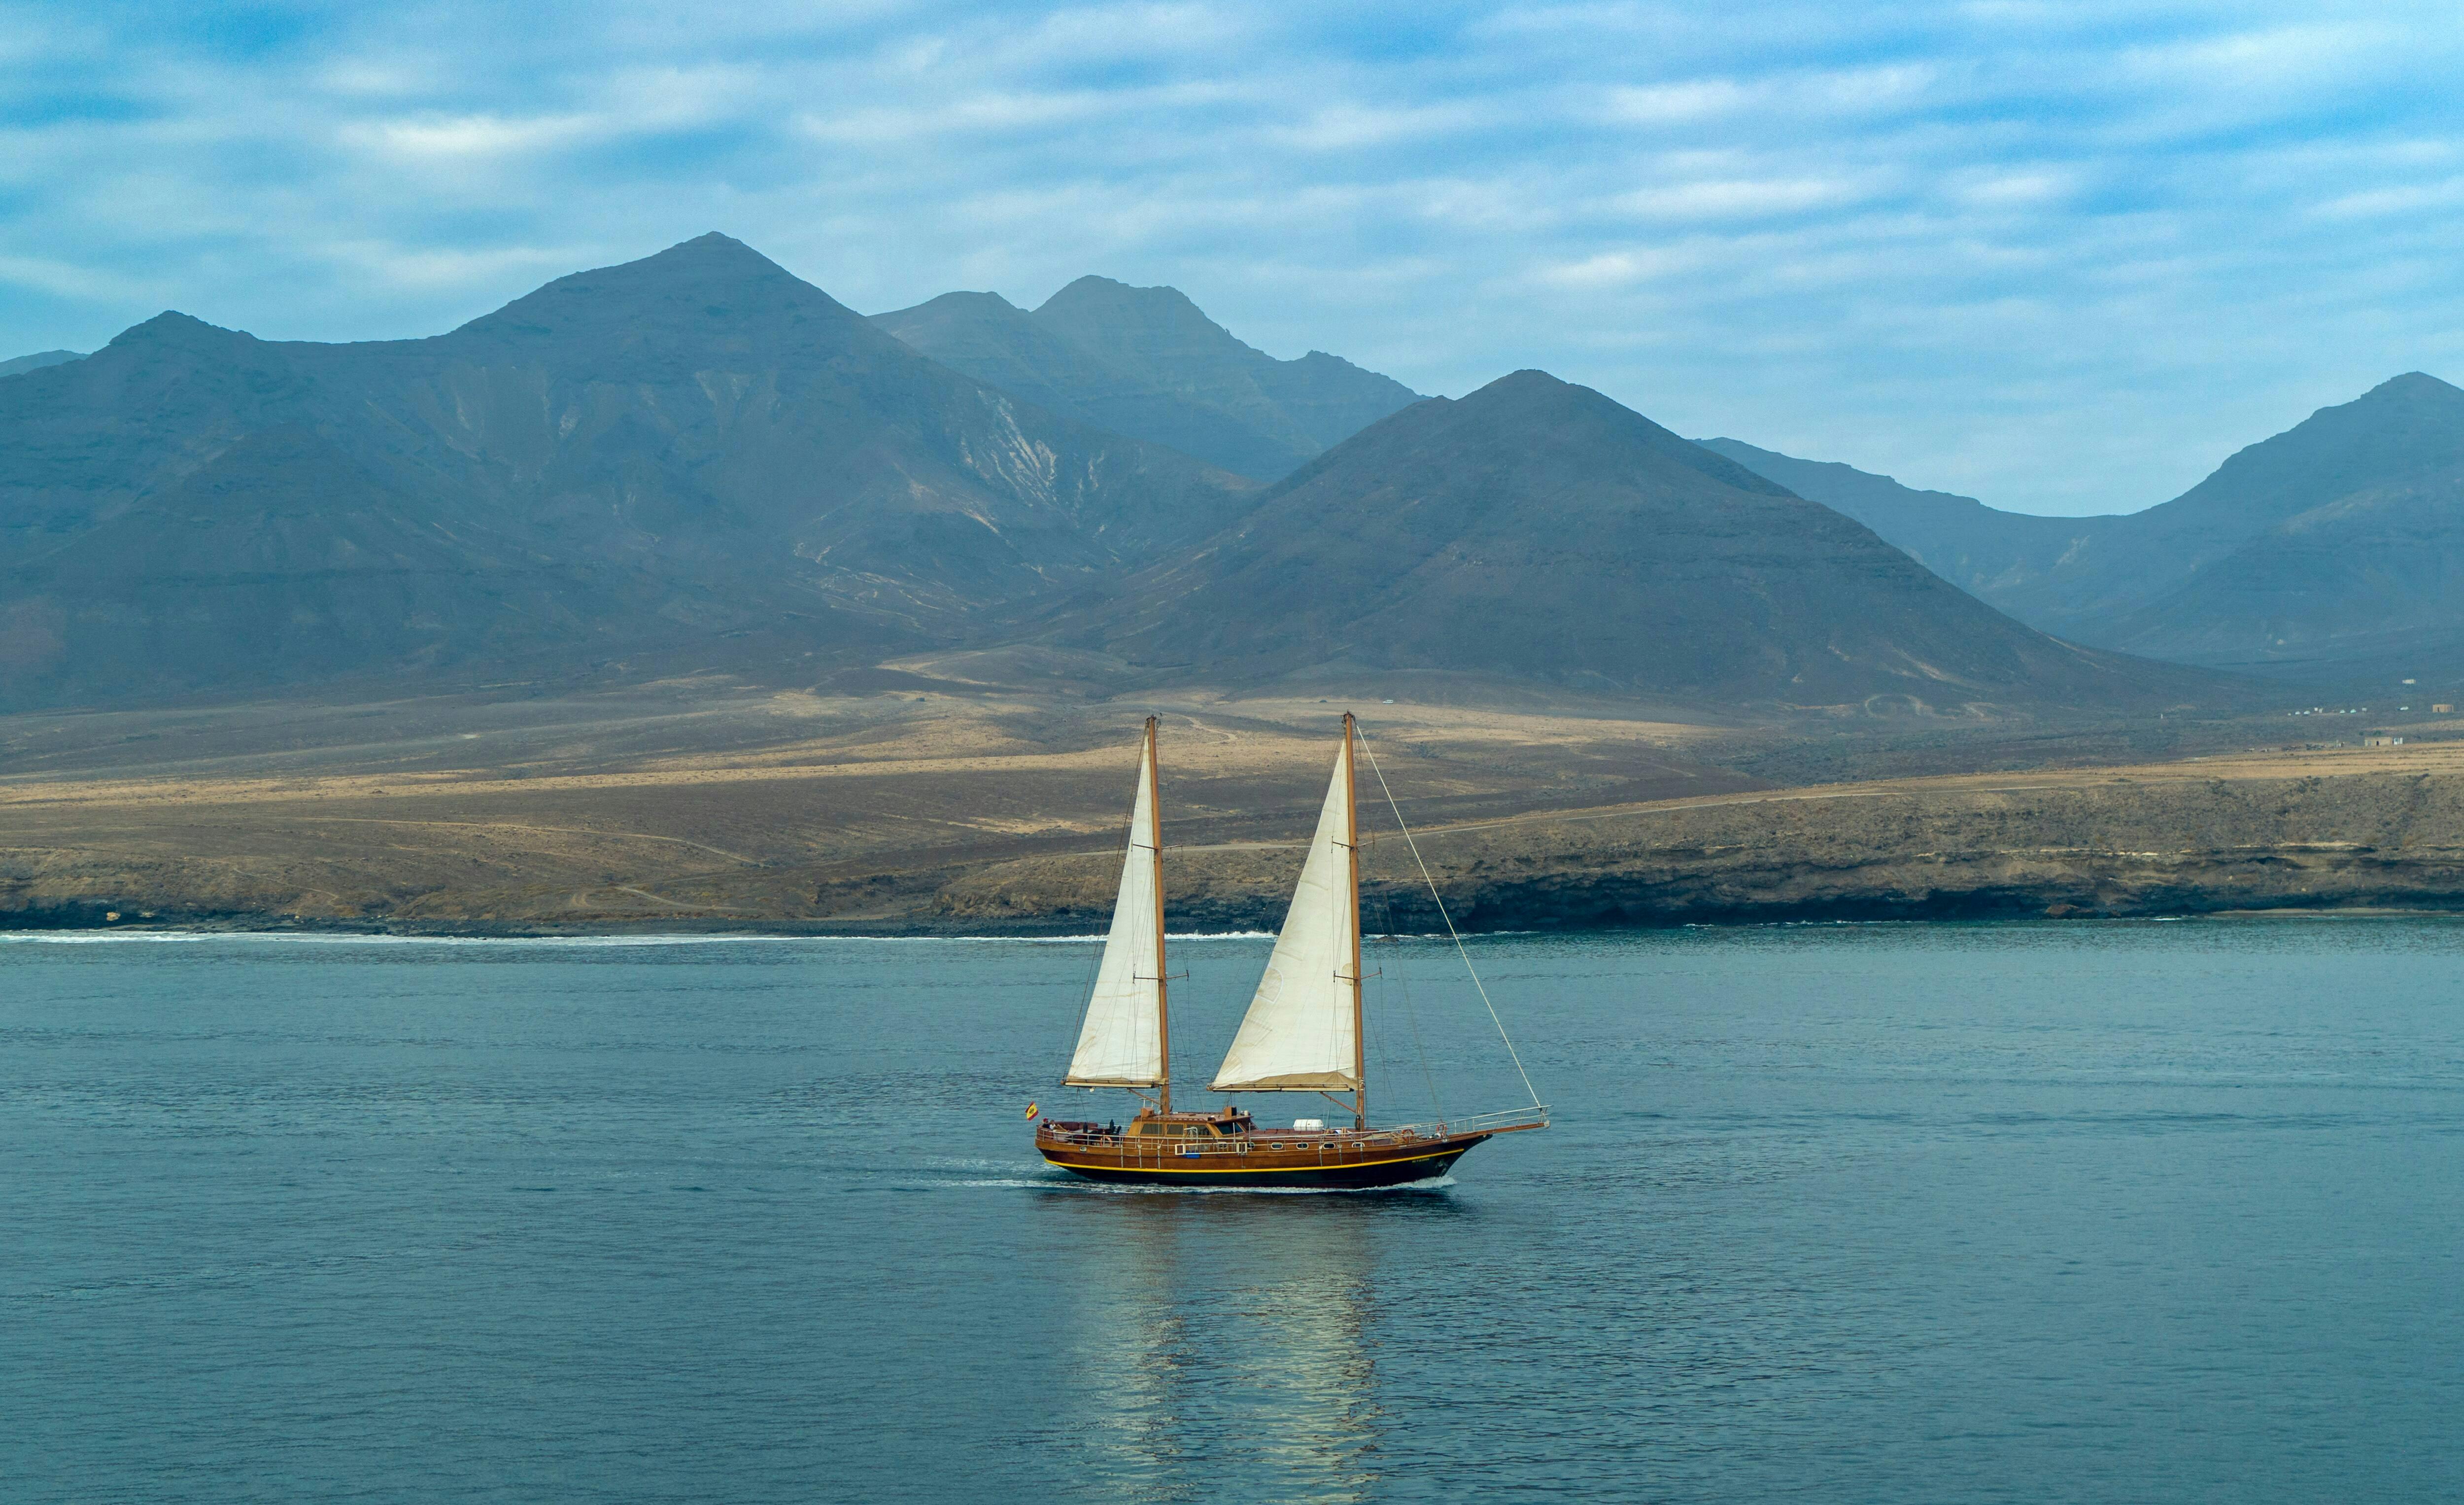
2034	1212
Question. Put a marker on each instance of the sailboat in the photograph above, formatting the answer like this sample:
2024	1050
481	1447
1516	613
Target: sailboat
1302	1035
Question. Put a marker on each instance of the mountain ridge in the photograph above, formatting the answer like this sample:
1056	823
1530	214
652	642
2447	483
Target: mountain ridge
38	360
699	457
1148	362
2336	543
693	443
1982	550
1538	529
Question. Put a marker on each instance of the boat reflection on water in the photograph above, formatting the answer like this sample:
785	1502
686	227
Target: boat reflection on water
1226	1335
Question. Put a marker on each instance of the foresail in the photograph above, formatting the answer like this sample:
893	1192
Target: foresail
1121	1044
1298	1033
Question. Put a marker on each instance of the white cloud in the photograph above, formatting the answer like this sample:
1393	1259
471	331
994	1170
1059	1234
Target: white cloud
2272	59
1686	100
2403	198
455	140
2019	187
1347	128
1614	269
1738	198
2056	255
67	280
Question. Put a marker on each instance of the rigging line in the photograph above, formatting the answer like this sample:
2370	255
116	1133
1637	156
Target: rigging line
1404	992
1411	1017
1460	948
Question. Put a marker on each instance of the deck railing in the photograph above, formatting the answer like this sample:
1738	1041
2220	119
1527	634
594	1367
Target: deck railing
1535	1116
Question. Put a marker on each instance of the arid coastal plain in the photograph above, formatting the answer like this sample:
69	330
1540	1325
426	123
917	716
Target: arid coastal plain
943	808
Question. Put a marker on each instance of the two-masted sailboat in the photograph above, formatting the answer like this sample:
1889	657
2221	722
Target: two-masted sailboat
1302	1033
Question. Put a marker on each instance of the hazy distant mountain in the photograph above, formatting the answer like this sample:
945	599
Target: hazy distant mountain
39	359
2398	432
1145	362
2338	542
1537	530
687	444
2331	542
1986	552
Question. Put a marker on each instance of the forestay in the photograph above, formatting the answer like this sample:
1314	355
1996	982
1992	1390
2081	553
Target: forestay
1121	1044
1299	1033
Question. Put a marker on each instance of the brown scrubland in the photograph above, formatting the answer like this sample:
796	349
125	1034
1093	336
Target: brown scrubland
704	803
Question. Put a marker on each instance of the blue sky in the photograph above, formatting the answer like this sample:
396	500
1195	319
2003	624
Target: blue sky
2064	257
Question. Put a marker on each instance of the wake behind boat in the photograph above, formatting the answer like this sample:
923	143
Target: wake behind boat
1302	1033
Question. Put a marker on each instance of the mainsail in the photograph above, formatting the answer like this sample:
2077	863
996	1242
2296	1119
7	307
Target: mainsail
1303	1028
1123	1042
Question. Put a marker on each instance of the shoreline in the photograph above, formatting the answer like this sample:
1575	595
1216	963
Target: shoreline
14	928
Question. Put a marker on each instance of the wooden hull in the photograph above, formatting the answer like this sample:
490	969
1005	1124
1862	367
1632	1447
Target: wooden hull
1334	1167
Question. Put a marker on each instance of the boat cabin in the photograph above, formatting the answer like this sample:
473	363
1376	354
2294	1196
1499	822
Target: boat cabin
1227	1124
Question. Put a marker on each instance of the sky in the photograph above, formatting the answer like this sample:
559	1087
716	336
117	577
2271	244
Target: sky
2063	258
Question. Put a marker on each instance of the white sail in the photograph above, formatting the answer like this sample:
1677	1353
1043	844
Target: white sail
1299	1032
1121	1044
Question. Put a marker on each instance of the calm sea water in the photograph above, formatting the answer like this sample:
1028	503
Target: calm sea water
2054	1214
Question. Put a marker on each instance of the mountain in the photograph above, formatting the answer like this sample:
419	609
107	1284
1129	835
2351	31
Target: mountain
1984	551
1537	530
1145	362
2369	582
2393	435
659	453
2336	543
39	359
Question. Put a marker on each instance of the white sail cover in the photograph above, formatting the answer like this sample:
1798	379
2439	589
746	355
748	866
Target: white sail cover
1121	1044
1298	1033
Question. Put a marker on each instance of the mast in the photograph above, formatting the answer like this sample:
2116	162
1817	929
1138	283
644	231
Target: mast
1154	842
1351	846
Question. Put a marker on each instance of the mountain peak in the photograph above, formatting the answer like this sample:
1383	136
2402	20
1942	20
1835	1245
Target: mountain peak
960	303
709	257
173	328
1532	382
1092	289
1148	362
2413	387
712	249
1099	308
2405	423
707	283
1524	403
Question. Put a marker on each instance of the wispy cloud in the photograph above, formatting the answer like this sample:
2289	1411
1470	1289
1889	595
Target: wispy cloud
2061	257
